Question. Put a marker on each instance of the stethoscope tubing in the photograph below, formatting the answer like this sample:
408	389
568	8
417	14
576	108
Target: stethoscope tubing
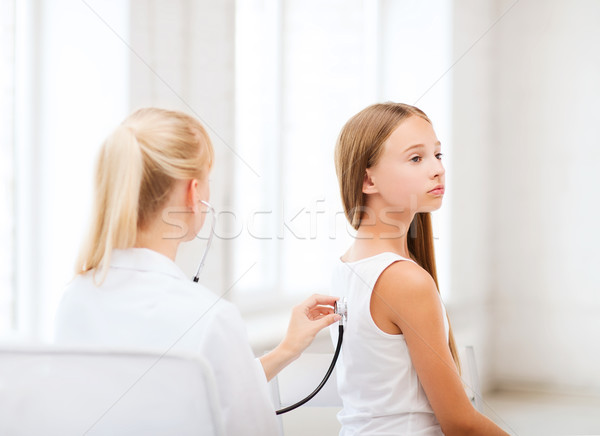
213	222
338	347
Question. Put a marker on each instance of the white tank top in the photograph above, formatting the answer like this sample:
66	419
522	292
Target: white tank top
377	381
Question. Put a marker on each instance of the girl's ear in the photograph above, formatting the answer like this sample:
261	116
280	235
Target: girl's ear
368	184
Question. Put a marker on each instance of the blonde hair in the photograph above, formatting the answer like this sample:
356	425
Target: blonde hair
135	172
359	146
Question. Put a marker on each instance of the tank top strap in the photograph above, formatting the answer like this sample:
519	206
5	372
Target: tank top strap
397	257
369	269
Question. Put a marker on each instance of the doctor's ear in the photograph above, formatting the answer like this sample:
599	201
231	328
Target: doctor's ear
368	184
192	198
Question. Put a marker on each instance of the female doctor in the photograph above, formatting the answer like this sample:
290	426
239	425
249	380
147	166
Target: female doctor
151	180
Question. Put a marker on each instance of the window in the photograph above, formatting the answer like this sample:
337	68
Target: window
302	69
70	88
7	65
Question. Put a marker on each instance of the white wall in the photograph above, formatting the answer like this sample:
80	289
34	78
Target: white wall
545	232
524	220
471	215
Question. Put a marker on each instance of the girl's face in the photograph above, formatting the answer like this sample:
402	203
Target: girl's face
409	168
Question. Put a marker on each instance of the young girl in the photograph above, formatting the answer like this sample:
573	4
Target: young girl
150	187
399	371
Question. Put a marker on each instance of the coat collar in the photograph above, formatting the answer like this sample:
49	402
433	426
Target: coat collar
144	259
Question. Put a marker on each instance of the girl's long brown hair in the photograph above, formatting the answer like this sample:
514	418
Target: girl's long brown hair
359	147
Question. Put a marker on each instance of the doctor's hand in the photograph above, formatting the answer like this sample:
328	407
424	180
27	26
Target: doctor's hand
308	318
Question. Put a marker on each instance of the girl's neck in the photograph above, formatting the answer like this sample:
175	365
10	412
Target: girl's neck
379	237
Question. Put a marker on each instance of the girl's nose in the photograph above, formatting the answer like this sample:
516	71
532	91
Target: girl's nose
438	169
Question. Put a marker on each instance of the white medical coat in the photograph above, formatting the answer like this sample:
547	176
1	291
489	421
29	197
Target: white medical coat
147	302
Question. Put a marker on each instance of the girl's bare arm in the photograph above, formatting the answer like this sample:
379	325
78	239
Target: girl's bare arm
406	297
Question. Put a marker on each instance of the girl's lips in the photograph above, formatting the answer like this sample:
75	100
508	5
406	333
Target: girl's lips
437	191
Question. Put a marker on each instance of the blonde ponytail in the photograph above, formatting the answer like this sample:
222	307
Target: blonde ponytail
135	172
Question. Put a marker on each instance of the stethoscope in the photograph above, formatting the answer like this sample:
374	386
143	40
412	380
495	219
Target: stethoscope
213	222
340	308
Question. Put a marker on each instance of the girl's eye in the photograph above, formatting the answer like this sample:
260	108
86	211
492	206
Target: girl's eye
418	158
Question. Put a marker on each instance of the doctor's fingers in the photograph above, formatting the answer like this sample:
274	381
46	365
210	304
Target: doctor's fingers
318	300
326	321
319	312
321	309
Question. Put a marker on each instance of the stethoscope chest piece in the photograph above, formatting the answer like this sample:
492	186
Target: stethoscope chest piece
341	308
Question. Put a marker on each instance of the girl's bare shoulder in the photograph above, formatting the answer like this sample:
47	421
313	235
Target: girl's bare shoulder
406	280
